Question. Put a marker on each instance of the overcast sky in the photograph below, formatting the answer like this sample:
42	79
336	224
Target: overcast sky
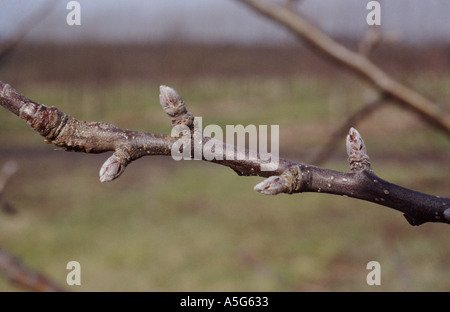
225	21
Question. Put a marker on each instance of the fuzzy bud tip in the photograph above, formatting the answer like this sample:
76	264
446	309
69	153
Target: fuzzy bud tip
355	143
113	167
272	186
356	151
447	214
171	101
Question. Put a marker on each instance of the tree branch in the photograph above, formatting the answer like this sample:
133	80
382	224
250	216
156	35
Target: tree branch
10	265
352	120
288	177
23	276
8	170
25	27
355	62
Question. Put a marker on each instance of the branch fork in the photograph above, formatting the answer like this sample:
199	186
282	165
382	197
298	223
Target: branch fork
290	180
357	63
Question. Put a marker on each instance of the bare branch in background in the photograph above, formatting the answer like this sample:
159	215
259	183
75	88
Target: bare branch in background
22	276
373	38
8	170
355	62
10	265
354	119
289	177
291	4
7	46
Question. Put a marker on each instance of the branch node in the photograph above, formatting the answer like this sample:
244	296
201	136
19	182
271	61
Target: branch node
48	121
356	151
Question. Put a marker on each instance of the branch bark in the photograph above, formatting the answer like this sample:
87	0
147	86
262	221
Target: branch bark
289	176
355	62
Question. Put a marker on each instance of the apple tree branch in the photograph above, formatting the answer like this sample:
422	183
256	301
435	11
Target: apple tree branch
288	177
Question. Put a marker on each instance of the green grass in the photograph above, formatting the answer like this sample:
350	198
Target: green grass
195	226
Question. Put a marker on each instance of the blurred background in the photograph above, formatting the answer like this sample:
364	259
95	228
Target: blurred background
196	226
